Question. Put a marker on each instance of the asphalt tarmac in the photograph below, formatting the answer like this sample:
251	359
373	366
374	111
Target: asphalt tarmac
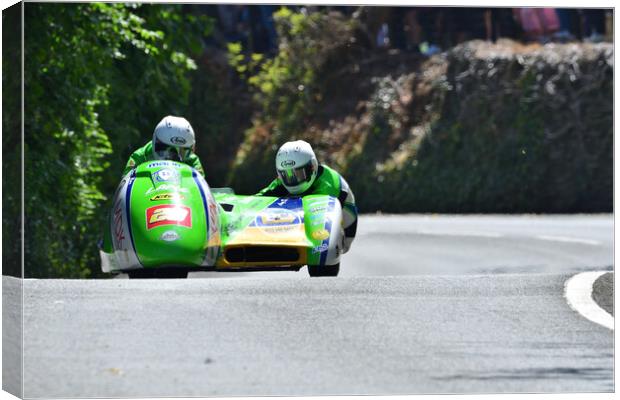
424	304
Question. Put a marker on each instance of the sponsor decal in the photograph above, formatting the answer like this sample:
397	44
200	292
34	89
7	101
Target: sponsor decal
318	219
165	175
277	218
320	234
168	214
157	164
278	229
167	196
293	204
131	162
165	187
287	163
318	209
277	221
169	236
316	202
177	140
321	248
119	232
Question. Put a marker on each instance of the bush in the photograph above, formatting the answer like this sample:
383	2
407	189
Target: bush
520	130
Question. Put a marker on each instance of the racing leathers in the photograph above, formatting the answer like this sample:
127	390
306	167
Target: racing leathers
145	153
328	182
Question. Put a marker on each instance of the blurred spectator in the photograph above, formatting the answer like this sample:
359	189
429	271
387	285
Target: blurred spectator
383	36
569	24
396	23
376	18
419	29
412	29
503	24
430	19
609	25
593	24
466	24
538	23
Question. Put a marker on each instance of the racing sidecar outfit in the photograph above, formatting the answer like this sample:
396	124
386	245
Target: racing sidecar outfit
331	183
145	153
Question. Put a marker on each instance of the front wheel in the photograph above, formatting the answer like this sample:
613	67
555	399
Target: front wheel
324	270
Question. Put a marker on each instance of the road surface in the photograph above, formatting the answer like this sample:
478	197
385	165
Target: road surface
424	304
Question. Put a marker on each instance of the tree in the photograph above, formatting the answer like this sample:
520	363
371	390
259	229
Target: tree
95	75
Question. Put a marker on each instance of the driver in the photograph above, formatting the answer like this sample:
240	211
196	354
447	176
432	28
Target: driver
173	140
300	174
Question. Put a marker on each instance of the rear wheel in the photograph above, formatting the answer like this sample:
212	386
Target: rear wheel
164	273
324	270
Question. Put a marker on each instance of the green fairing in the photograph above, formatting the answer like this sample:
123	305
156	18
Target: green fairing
189	248
145	154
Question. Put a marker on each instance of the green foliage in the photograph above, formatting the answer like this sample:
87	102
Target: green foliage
289	89
11	141
97	76
242	64
146	85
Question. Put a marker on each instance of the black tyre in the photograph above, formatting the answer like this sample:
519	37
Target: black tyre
163	273
171	273
141	274
324	270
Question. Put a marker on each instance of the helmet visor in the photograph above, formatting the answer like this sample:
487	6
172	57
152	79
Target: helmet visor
296	176
170	152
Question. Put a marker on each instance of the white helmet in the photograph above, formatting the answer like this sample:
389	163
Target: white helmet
297	166
173	139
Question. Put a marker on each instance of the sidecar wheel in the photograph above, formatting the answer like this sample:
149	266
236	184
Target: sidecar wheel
324	270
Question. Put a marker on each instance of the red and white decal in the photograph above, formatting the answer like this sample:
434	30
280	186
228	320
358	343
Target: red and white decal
119	233
168	214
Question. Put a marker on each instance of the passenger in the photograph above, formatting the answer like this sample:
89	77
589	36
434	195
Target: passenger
300	174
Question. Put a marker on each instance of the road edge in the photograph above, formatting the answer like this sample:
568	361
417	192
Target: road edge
578	292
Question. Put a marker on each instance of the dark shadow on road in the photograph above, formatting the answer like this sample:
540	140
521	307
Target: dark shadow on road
535	374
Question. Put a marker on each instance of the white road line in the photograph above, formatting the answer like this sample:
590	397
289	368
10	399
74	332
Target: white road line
568	240
578	292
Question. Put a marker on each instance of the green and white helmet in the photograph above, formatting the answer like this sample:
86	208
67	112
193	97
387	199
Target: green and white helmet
297	166
173	139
